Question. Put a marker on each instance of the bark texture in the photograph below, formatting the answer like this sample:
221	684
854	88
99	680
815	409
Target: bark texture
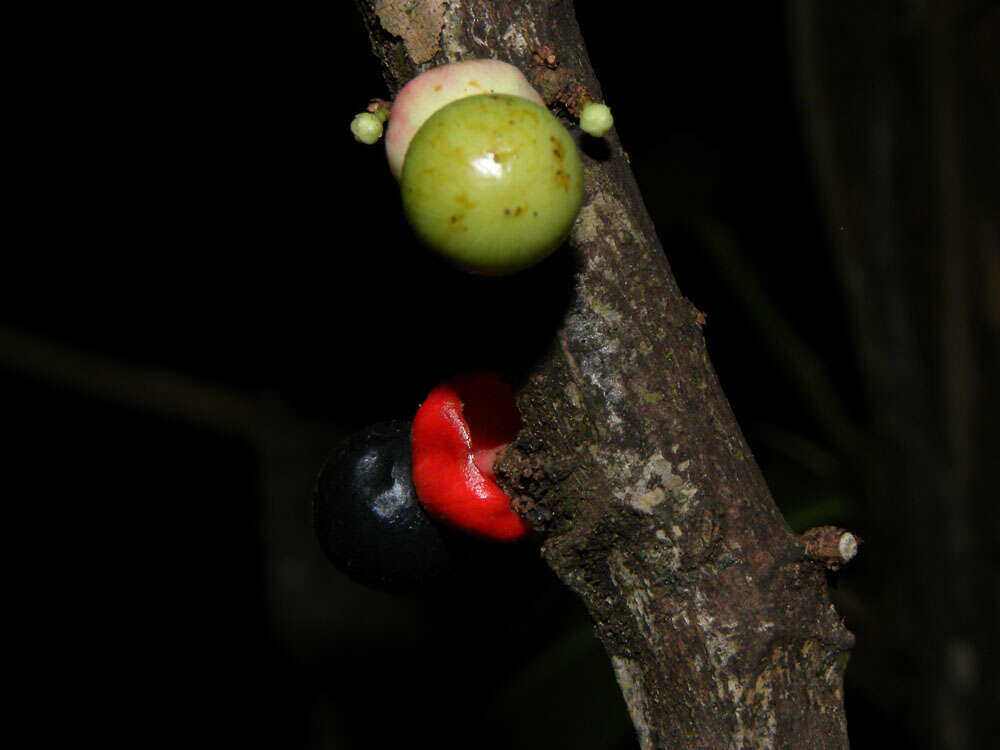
631	464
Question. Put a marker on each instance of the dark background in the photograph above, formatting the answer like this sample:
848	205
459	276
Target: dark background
221	287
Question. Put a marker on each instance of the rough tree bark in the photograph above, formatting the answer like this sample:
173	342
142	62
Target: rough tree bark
715	616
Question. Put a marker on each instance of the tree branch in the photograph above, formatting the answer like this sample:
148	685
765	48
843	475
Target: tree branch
654	511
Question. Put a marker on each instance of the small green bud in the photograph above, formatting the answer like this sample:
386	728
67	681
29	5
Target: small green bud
367	128
596	119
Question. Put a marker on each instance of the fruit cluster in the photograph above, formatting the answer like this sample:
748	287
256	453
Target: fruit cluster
386	492
490	179
492	182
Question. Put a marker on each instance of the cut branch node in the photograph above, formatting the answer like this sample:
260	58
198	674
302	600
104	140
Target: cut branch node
831	546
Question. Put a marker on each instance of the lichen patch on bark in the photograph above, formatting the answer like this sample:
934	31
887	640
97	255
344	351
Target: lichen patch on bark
515	38
657	482
417	22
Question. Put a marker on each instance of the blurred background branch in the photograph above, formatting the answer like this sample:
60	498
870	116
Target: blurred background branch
900	106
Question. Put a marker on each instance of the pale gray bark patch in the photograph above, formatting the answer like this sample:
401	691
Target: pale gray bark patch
627	674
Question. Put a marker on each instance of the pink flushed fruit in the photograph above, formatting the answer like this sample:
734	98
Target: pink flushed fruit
430	91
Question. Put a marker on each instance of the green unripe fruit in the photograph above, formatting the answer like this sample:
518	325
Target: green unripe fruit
492	183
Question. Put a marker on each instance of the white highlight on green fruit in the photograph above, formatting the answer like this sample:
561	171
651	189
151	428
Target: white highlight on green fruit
596	119
367	128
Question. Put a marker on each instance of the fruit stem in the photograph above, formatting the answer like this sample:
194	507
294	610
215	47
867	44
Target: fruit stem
380	108
486	458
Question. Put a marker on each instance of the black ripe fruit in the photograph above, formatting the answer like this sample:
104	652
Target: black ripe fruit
367	516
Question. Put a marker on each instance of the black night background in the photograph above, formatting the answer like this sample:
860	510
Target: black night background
221	287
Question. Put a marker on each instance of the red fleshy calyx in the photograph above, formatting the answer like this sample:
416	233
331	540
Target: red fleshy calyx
457	433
